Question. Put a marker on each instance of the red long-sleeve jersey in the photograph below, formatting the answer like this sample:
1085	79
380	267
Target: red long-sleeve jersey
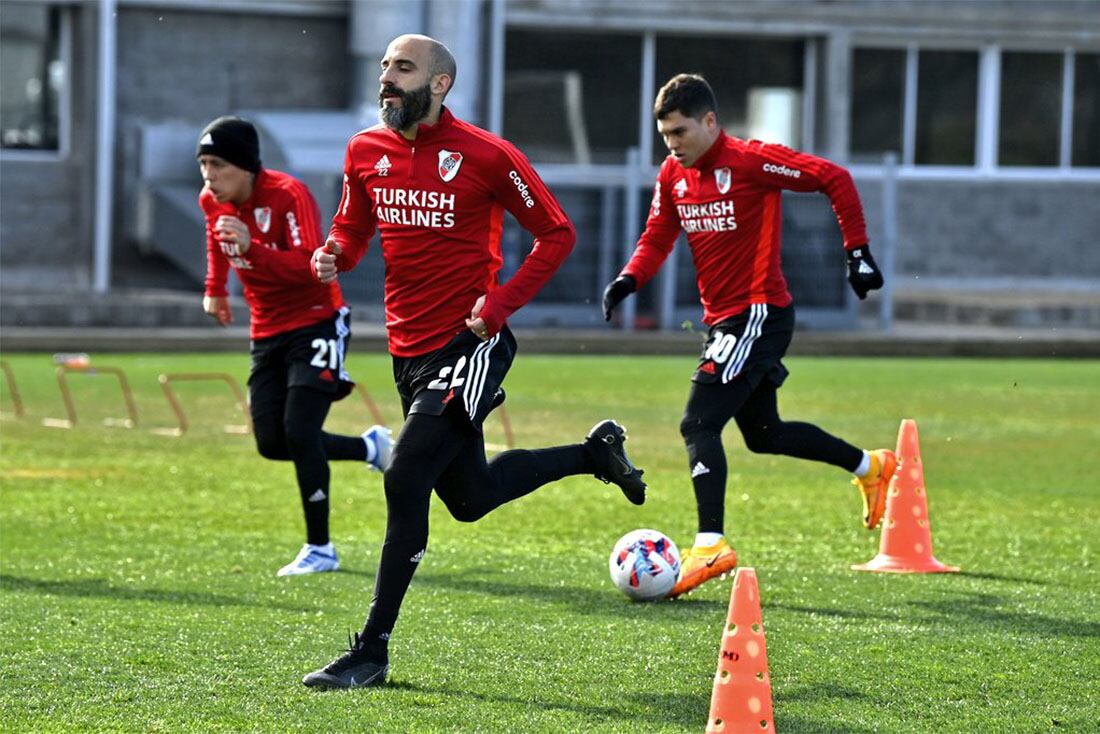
729	205
279	287
439	204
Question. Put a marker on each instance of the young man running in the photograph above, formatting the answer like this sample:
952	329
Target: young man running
724	193
265	225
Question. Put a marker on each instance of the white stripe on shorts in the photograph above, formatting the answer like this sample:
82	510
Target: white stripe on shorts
342	332
758	312
476	375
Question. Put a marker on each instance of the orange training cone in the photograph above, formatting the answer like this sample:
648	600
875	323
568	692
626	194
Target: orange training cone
906	545
742	697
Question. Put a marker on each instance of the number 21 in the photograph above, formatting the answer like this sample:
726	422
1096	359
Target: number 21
327	353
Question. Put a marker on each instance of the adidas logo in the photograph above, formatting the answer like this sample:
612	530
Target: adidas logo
864	268
383	165
699	470
318	496
417	558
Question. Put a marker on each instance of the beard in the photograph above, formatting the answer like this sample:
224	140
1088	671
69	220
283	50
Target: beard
415	105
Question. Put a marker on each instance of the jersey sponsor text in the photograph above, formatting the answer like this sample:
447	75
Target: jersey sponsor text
714	216
414	207
782	170
528	200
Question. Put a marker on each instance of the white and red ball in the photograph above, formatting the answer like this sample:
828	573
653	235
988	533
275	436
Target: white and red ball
644	564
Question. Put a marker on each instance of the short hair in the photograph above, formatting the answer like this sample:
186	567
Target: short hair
442	62
688	94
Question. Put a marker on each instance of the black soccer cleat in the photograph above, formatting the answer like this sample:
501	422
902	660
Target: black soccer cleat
353	669
605	445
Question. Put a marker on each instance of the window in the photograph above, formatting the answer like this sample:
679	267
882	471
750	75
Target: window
1086	110
947	94
1031	109
758	83
32	76
572	97
878	94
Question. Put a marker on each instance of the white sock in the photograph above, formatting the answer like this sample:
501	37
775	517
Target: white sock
705	540
372	450
327	548
864	466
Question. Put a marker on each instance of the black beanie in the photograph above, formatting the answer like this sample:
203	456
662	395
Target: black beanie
233	139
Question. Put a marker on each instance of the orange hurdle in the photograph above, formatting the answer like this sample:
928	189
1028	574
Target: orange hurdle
16	400
70	421
166	381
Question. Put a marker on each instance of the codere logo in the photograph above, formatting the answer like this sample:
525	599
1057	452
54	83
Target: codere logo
782	170
522	188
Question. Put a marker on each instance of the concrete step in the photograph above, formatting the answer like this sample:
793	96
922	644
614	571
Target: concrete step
1023	305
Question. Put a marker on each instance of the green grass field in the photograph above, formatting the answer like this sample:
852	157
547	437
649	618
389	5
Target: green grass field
137	586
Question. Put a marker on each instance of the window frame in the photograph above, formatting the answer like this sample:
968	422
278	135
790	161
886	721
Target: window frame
64	101
987	128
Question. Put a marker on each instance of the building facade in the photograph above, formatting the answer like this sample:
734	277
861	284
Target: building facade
981	118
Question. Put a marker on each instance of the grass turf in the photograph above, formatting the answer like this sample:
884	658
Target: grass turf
137	586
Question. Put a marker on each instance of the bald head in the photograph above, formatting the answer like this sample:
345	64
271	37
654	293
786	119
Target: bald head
432	55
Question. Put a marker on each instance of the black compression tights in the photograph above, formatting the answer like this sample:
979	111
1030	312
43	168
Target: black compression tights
296	435
710	407
445	453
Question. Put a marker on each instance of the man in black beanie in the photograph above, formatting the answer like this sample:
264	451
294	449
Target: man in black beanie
233	140
266	225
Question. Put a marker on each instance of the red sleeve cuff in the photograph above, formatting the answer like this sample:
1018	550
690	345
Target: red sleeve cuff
493	317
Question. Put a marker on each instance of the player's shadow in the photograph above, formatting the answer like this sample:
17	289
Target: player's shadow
98	587
662	709
802	725
582	600
1002	577
829	611
989	611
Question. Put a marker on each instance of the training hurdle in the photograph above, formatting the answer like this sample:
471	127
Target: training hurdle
368	401
16	401
129	421
166	381
509	439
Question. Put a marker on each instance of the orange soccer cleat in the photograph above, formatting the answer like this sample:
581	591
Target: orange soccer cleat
873	486
703	563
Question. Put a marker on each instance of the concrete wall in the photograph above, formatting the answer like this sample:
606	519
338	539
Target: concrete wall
185	66
45	200
991	230
190	67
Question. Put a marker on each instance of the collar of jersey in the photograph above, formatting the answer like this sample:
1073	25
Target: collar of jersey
708	159
427	132
257	184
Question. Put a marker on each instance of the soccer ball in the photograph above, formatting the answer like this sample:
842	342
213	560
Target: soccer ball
644	564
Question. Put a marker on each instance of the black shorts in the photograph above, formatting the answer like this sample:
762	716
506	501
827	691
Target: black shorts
312	356
748	347
465	369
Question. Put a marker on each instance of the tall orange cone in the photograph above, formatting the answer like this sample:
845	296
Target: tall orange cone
906	545
741	700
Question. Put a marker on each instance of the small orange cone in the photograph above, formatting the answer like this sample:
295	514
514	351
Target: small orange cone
906	545
742	697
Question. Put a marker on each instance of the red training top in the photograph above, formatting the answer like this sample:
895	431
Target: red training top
439	204
729	205
279	286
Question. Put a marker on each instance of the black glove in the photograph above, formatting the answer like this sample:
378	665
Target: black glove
615	292
863	274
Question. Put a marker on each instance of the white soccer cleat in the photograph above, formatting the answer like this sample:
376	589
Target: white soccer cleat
311	559
379	440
